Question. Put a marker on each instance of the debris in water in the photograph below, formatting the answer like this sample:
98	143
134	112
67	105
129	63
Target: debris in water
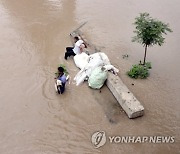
125	56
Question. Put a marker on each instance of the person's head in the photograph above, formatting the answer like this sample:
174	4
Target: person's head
76	38
61	70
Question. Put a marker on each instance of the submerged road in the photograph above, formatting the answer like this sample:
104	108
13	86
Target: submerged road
34	120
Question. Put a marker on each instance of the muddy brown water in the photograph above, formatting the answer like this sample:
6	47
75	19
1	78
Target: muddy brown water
34	120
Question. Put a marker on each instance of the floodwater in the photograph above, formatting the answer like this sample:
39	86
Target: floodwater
35	120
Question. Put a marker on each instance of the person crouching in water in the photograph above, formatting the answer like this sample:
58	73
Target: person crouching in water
61	81
77	49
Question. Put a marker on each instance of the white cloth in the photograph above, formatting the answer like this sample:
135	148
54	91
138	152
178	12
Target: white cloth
81	60
59	83
77	47
111	67
88	63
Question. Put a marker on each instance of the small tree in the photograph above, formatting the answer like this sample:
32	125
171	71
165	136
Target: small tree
149	31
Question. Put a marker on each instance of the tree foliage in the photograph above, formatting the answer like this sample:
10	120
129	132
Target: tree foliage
149	31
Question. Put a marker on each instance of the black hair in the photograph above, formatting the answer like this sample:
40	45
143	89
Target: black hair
76	38
61	69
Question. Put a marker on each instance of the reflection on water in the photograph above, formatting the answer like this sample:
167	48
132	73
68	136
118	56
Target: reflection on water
34	119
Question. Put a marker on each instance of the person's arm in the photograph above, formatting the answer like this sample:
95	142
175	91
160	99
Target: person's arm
84	42
82	46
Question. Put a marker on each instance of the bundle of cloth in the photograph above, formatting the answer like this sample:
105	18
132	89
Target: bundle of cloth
88	63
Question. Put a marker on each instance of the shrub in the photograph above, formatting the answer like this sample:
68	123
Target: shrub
139	71
148	65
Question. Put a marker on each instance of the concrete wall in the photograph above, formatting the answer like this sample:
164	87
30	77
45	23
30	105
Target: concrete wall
126	99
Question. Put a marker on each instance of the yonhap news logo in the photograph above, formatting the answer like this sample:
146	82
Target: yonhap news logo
99	139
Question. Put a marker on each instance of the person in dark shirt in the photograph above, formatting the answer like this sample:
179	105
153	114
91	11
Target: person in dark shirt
61	81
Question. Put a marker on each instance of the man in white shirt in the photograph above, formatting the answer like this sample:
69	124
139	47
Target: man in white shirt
77	49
